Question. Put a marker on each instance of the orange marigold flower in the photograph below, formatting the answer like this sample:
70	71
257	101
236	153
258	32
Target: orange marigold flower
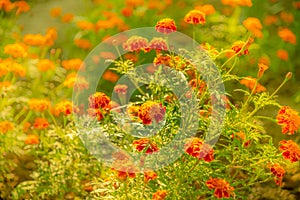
4	67
50	36
241	47
68	17
6	126
26	126
32	139
6	5
99	100
282	54
16	50
134	3
195	17
85	25
261	69
55	12
287	17
270	19
278	171
234	3
83	43
288	119
75	63
159	195
40	123
166	26
253	25
120	89
287	35
158	43
18	69
4	84
151	111
45	65
135	43
290	150
149	175
110	76
250	83
207	9
143	143
39	105
133	110
22	6
34	39
76	81
127	11
197	149
65	107
222	188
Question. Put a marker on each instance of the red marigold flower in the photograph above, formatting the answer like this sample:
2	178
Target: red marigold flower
123	166
149	175
99	100
120	89
158	43
222	188
151	111
288	119
166	26
196	148
241	136
40	123
195	17
159	195
142	143
278	171
32	139
290	150
135	43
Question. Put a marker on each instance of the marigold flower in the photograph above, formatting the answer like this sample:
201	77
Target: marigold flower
282	54
207	9
134	3
222	188
278	171
195	17
39	105
198	84
4	68
159	195
18	69
110	76
40	123
34	39
120	89
133	110
143	143
250	83
32	139
123	166
287	17
65	107
68	17
149	175
83	43
290	150
45	65
135	43
6	126
26	126
75	64
234	3
264	60
158	43
127	11
22	6
270	19
16	50
76	81
166	26
85	25
288	119
50	36
261	69
55	12
287	35
6	5
175	62
4	84
197	149
92	112
151	111
99	100
253	25
296	4
238	46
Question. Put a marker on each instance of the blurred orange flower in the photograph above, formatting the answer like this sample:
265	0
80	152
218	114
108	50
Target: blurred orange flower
234	3
261	69
195	17
39	105
270	19
65	107
166	26
32	139
85	25
34	39
99	100
110	76
282	54
159	195
287	17
288	119
83	43
40	123
45	65
222	188
207	9
75	64
6	126
6	5
149	175
250	83
287	35
127	11
290	150
253	25
22	6
68	17
16	50
55	12
76	81
134	3
4	84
